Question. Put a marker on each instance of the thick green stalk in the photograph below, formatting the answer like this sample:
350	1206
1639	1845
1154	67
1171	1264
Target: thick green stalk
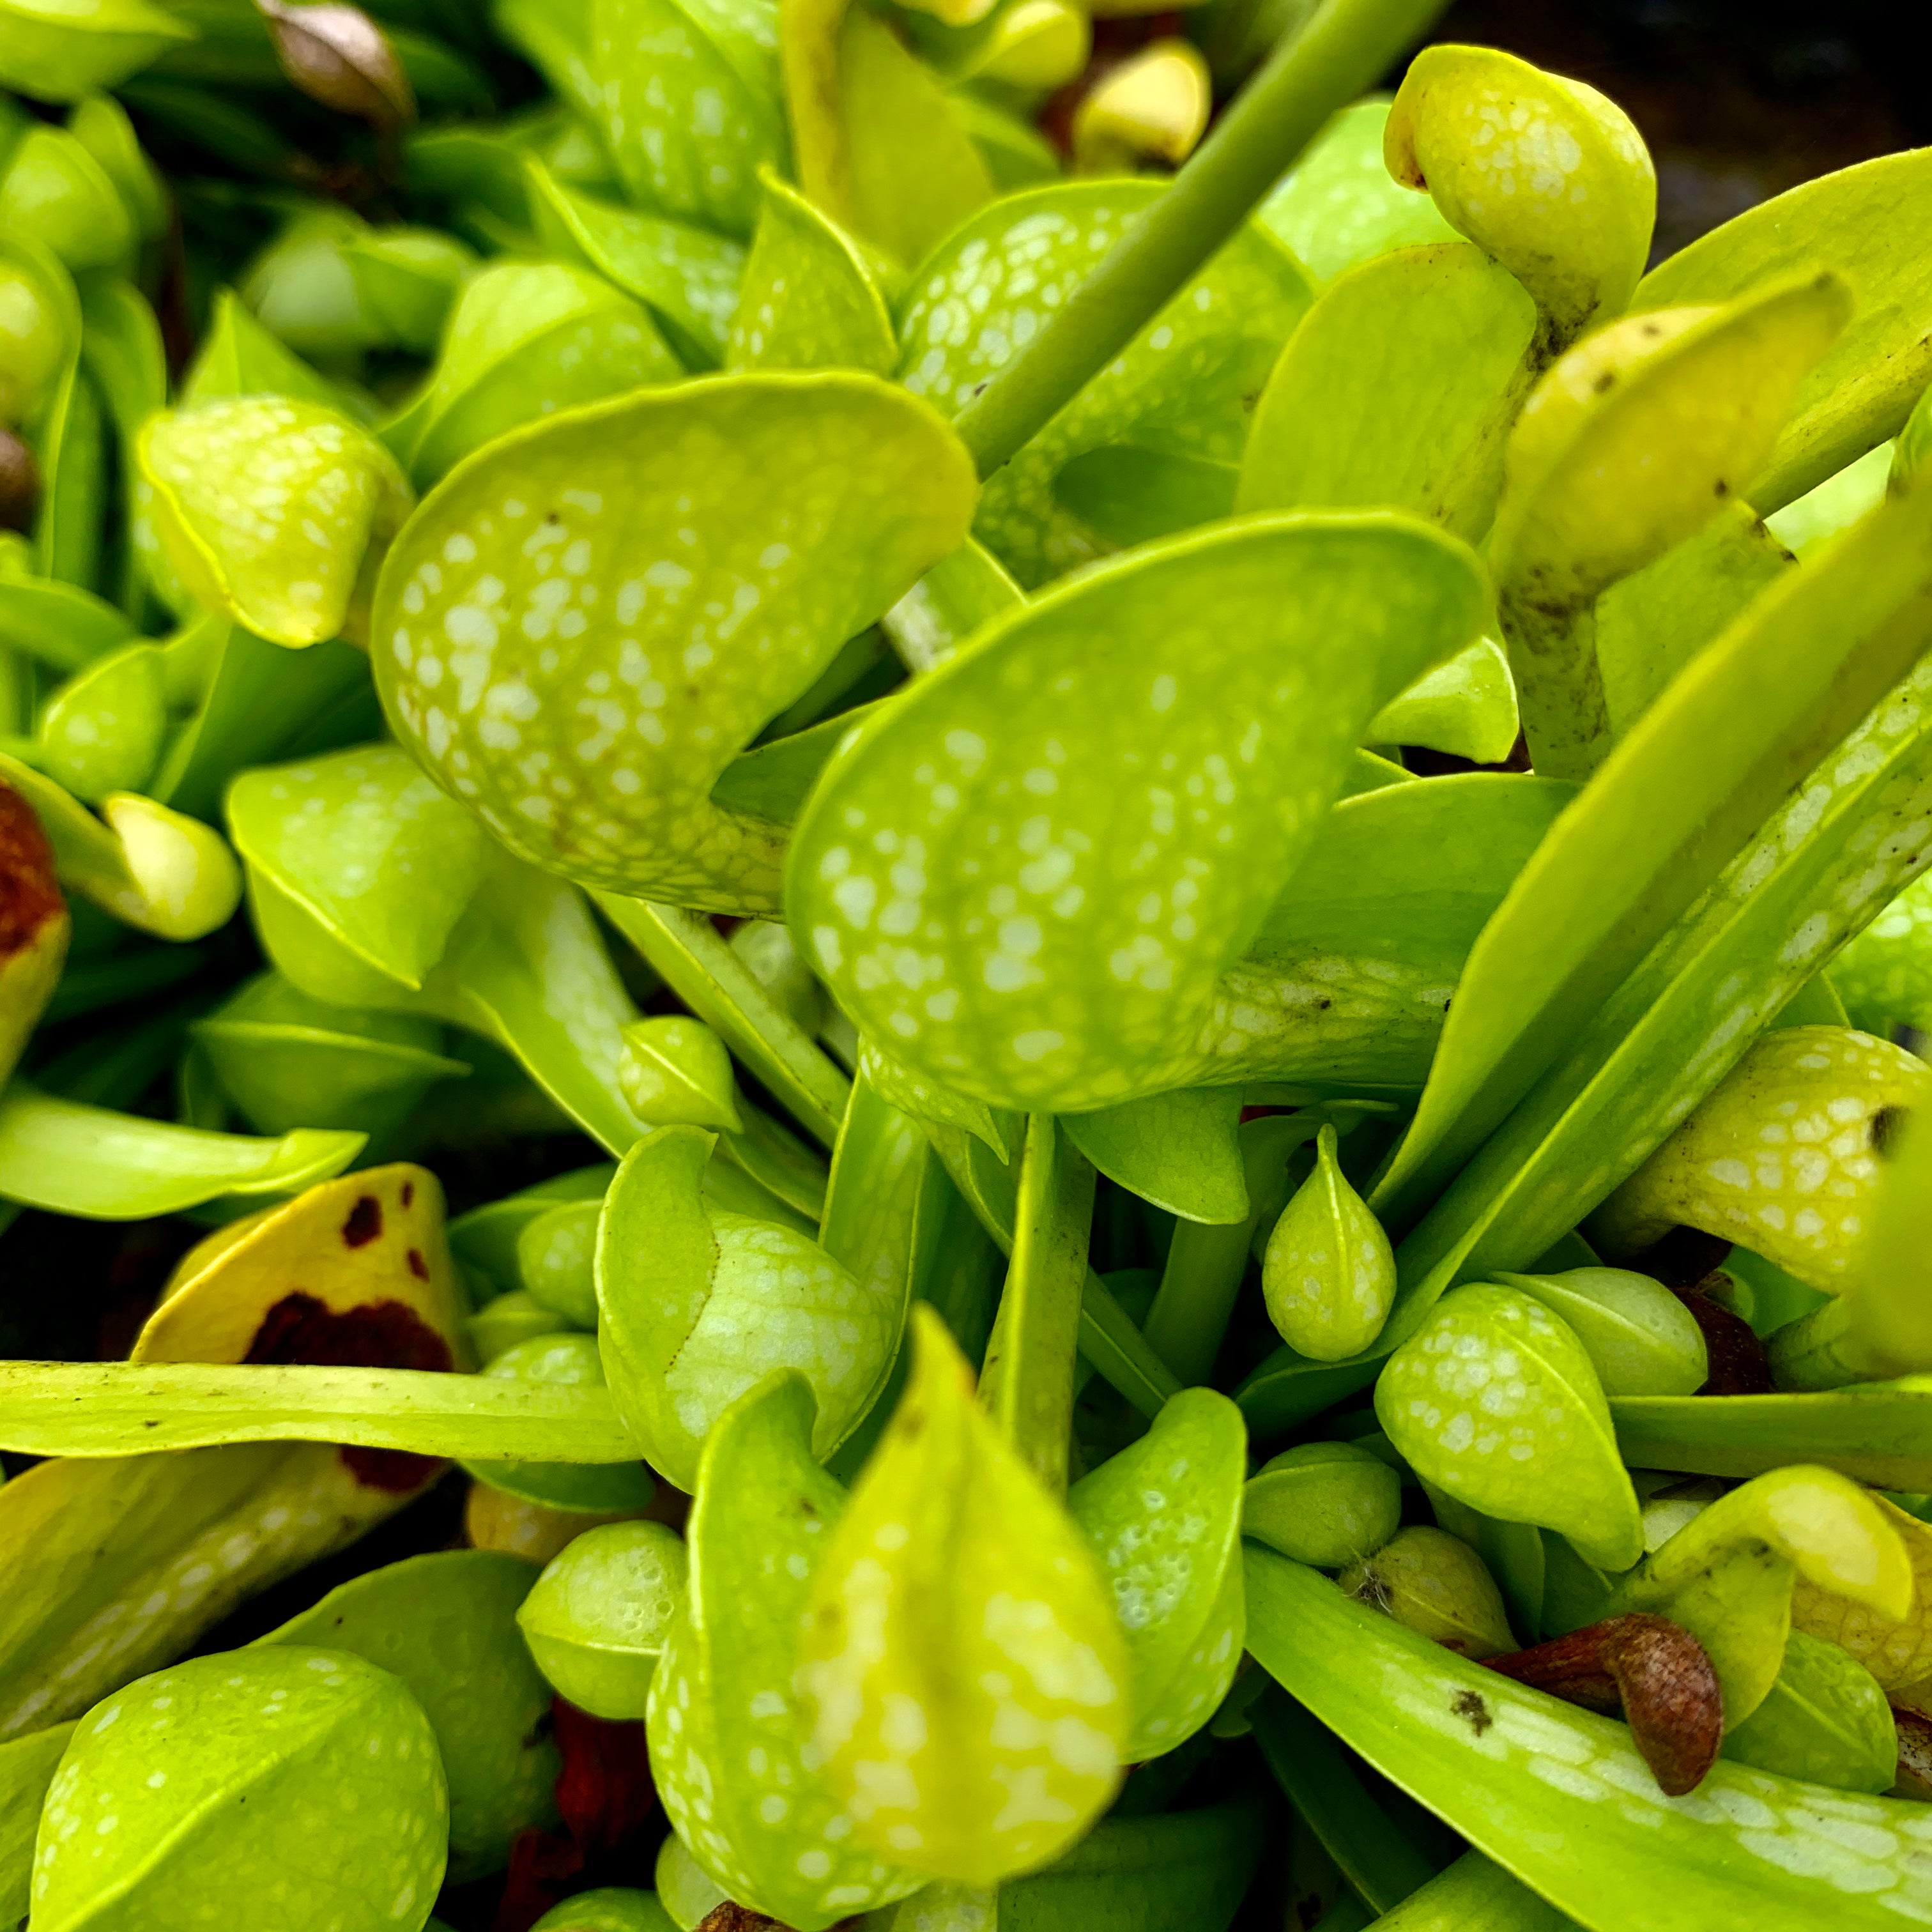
1028	1381
1343	50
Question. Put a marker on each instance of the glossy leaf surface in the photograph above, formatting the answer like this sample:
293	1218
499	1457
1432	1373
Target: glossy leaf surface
697	1305
1529	1780
1072	967
1329	1274
445	1624
1641	1339
643	691
1180	386
596	1619
273	511
1863	221
1164	1517
962	1646
218	1734
1543	172
1495	1401
728	1725
1177	1149
1397	388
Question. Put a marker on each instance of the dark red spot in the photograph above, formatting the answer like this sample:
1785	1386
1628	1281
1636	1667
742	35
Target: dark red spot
364	1223
605	1797
418	1266
1738	1365
302	1328
29	897
409	1193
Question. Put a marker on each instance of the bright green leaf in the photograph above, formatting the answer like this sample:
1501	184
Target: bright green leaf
1495	1400
273	511
1863	222
730	1733
1398	388
55	50
1183	386
1164	1517
1328	1276
696	1305
445	1624
811	298
1073	965
957	1592
776	476
1177	1149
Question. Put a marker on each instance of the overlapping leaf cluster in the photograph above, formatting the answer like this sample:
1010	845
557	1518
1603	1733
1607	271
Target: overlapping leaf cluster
1321	946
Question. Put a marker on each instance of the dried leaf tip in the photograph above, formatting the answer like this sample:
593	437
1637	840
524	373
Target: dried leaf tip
1652	1669
338	56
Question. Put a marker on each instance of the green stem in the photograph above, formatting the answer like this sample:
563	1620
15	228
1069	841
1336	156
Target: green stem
1343	50
1028	1381
685	948
1473	1895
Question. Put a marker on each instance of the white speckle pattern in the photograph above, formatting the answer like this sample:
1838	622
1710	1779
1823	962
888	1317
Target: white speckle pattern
997	280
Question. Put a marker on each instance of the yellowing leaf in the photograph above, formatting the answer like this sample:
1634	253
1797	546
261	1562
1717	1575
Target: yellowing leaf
962	1654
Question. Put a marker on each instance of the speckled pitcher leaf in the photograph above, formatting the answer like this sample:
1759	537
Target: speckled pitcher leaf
1543	172
810	300
368	847
525	340
1783	1156
962	1658
1183	384
697	1305
729	1734
1560	1798
688	276
1177	1149
1350	977
1397	388
445	1624
586	622
1884	975
241	1783
1495	1401
1338	205
1034	905
272	510
1164	1517
692	109
1869	222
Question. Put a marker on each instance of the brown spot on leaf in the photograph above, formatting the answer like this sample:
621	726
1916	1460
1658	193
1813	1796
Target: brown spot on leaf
1885	1126
1655	1671
418	1266
29	894
364	1223
409	1193
301	1327
1473	1711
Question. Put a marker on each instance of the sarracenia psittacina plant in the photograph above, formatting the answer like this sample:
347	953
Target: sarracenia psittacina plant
821	708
